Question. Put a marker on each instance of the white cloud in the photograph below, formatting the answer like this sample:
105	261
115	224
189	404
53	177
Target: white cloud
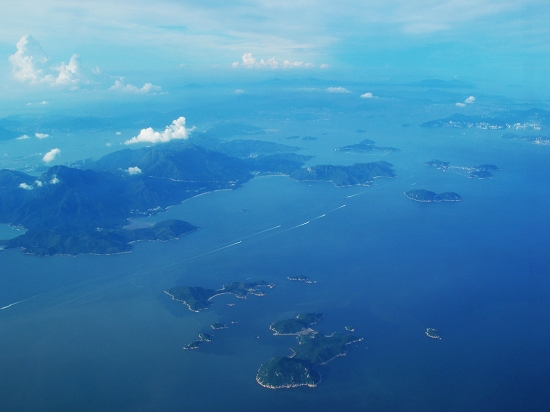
239	91
367	95
147	88
27	60
54	180
324	66
23	137
460	104
42	135
38	183
249	61
134	170
29	65
51	155
338	90
470	100
118	133
26	186
176	130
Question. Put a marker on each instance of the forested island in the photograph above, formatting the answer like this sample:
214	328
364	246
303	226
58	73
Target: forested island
197	298
366	146
423	195
482	171
313	349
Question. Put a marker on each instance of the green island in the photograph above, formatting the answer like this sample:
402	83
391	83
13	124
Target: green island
423	195
366	146
301	278
218	326
432	333
361	174
299	325
198	298
313	349
482	171
203	337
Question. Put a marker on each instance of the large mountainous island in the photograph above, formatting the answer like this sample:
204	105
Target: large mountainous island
83	208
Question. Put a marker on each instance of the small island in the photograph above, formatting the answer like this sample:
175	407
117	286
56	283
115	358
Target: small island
203	337
349	328
438	164
313	349
299	325
197	298
301	278
432	333
482	171
426	196
218	326
366	146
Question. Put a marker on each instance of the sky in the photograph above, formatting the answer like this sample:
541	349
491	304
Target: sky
135	48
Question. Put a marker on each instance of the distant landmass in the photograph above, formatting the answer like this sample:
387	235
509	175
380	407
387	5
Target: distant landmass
313	349
483	171
532	119
197	298
427	196
542	140
443	84
366	146
82	208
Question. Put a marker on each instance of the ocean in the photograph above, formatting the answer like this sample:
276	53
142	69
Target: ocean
97	333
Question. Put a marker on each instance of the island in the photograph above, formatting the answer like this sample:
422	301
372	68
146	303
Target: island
438	164
218	326
482	171
366	146
423	195
432	333
203	337
313	349
349	328
197	298
362	174
301	278
299	325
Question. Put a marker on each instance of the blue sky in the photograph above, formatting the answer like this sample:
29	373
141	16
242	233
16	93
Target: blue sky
137	47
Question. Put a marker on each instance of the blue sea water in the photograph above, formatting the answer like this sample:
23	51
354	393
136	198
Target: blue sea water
97	333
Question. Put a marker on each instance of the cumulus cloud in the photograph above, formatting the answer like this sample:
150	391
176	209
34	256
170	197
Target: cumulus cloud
367	95
239	91
470	100
176	130
324	66
42	135
29	65
51	155
23	137
147	88
134	170
54	180
460	104
337	90
26	186
249	61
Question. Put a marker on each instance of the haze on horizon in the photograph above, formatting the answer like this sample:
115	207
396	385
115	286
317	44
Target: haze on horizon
117	51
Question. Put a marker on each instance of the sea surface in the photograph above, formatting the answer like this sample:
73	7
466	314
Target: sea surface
97	333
